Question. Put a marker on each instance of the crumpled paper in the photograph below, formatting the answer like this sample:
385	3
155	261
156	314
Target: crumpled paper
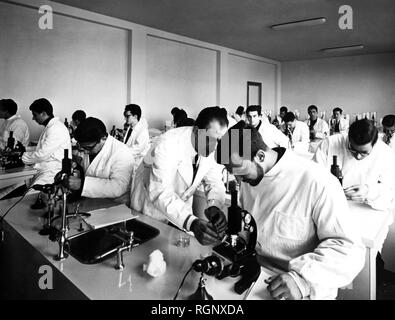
156	265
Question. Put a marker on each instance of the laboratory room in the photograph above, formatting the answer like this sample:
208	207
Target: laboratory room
197	150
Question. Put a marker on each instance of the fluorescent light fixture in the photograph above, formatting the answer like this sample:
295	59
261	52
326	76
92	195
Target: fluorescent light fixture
343	49
300	23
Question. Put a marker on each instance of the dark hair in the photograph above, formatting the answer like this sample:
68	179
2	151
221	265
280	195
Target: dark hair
9	105
79	115
312	107
289	117
389	120
256	108
235	140
42	105
362	132
283	109
90	130
240	110
210	114
134	109
174	111
179	117
337	109
188	122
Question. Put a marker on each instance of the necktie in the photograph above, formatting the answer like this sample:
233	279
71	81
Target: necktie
128	134
195	166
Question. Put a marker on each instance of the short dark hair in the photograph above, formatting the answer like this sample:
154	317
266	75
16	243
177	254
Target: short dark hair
289	117
79	115
42	105
179	117
362	132
90	130
210	114
337	109
9	105
283	109
312	107
256	108
389	120
240	110
188	122
134	109
174	111
243	134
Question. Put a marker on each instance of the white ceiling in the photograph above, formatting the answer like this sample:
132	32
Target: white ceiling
245	24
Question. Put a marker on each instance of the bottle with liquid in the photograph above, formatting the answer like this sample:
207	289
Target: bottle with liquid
11	141
113	132
335	170
66	163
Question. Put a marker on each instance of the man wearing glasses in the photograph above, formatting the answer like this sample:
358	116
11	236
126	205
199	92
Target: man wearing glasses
111	163
389	129
367	164
181	160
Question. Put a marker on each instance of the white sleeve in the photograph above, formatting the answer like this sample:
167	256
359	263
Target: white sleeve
281	139
141	144
324	131
340	254
321	155
214	187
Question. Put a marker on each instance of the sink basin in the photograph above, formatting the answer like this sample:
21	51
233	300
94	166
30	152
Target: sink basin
97	245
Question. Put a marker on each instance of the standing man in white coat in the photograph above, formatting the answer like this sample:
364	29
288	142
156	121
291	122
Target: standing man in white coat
55	138
388	135
137	136
318	127
304	233
181	160
13	122
111	163
297	132
270	134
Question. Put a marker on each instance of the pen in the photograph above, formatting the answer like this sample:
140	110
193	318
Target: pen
249	290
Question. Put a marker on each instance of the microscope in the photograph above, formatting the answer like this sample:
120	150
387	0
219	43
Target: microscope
235	256
11	156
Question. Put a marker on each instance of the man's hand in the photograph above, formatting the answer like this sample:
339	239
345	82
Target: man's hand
357	192
74	183
218	219
283	287
204	232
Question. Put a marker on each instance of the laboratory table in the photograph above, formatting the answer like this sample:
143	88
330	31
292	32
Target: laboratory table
15	176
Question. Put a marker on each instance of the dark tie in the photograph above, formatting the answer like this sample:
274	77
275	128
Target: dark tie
128	134
195	166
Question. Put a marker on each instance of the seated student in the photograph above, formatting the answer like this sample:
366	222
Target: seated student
270	134
318	127
164	188
297	132
136	136
181	119
77	117
239	114
13	122
338	123
173	113
367	164
388	130
278	120
111	163
55	138
304	233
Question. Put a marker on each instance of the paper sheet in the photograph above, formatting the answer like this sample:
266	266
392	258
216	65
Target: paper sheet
108	216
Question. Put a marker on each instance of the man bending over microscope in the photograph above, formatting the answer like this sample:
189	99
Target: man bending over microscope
301	215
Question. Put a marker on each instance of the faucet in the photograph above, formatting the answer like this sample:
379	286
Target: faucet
127	245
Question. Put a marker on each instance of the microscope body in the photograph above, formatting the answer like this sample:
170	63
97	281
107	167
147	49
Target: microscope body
11	156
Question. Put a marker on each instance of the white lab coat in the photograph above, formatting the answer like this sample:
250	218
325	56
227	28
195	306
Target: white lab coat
138	141
303	226
163	187
47	158
110	172
301	137
343	125
19	128
271	136
321	128
377	170
391	143
231	121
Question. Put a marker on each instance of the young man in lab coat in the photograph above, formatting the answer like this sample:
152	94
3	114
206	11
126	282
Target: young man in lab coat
298	133
270	134
12	122
304	234
181	160
136	136
366	162
111	163
338	123
388	130
318	127
55	138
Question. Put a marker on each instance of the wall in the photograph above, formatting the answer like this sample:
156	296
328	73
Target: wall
101	63
356	84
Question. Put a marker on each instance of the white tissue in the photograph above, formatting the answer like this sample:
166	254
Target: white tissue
156	265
